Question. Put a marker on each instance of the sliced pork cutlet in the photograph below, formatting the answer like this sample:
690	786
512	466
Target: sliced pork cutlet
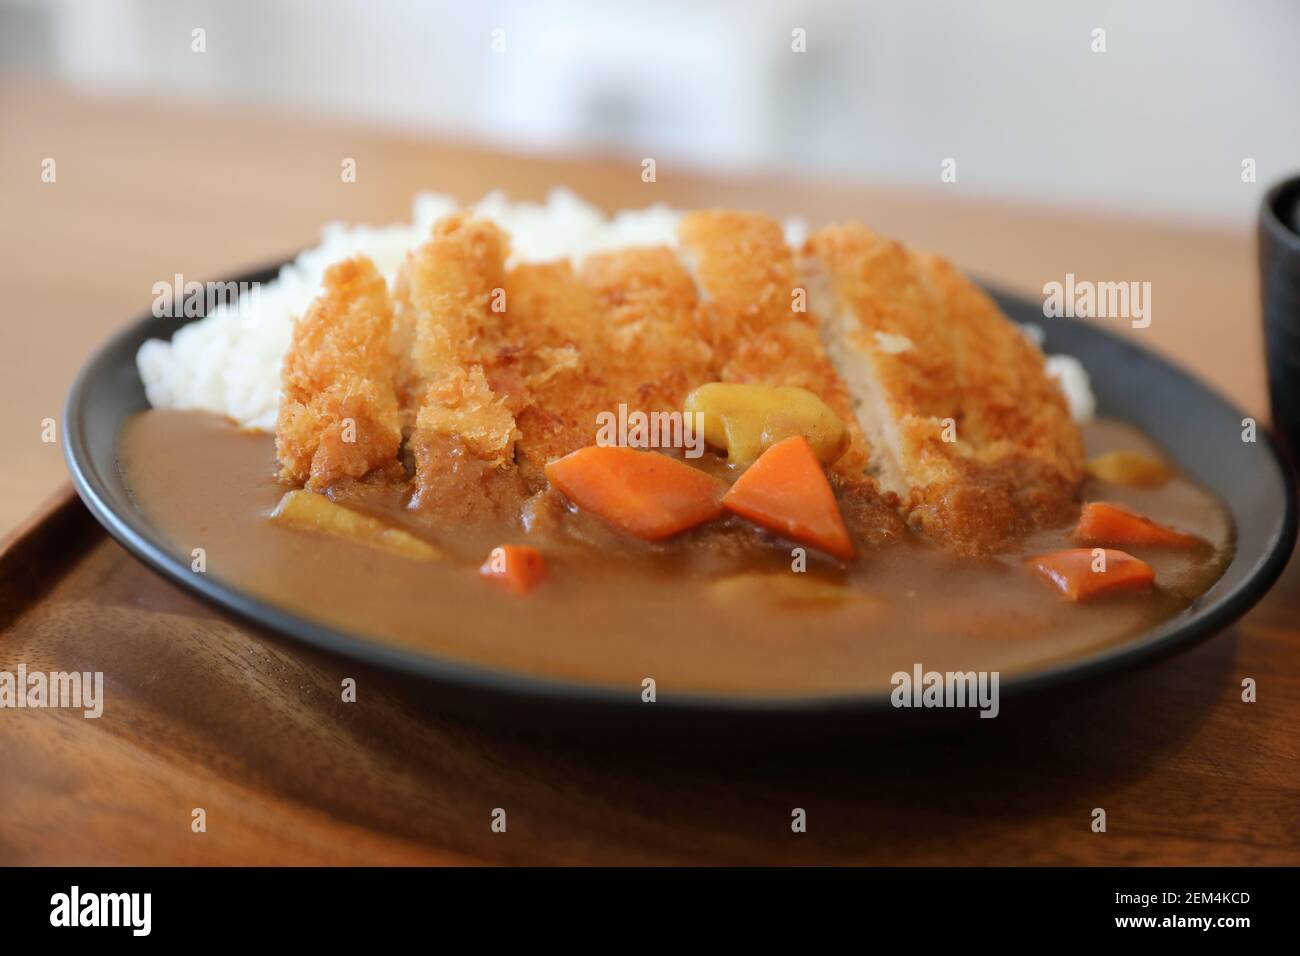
762	332
620	330
576	344
656	350
339	414
942	382
1016	414
547	357
462	432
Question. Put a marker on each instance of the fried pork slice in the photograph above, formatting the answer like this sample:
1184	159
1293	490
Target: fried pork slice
744	267
449	295
1015	413
339	415
964	423
578	344
656	347
762	332
546	364
444	296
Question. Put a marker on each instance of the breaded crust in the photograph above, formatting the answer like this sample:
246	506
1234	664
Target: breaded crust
753	311
573	345
970	430
464	489
339	415
764	333
445	293
1006	392
546	366
954	425
742	263
1015	414
656	349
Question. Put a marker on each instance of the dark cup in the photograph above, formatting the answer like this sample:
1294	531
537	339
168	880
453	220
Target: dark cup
1279	290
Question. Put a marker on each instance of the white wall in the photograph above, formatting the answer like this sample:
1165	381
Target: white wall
1158	124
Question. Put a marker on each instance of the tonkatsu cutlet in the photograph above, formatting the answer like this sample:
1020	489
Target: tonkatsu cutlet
763	333
478	376
571	345
547	349
463	433
1014	413
444	295
965	425
339	415
656	336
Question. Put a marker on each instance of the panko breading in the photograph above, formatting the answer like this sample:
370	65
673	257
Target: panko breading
742	263
763	333
465	489
573	345
953	423
339	415
966	426
657	352
549	346
445	293
1016	414
881	323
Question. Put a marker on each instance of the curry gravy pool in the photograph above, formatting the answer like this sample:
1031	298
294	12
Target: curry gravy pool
615	615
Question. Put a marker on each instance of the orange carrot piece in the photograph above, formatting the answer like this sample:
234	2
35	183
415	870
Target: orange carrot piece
786	491
644	493
1081	575
1105	523
517	566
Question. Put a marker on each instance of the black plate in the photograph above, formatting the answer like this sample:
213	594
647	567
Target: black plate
1198	429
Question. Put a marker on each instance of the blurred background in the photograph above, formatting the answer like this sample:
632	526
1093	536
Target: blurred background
1014	90
1114	140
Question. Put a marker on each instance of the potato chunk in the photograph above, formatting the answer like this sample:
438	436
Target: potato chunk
1129	468
309	511
746	420
766	590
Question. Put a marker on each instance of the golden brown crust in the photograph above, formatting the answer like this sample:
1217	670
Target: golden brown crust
757	312
741	260
1016	413
875	518
656	352
464	489
447	293
547	363
879	282
339	416
573	345
1007	393
493	373
979	433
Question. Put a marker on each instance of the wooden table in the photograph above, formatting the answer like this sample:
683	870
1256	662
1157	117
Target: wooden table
252	730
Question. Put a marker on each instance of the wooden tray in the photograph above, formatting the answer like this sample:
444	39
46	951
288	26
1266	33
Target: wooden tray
203	712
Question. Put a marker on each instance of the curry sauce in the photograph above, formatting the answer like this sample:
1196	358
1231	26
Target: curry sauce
712	610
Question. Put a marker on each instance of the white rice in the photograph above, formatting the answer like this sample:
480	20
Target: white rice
1073	379
229	362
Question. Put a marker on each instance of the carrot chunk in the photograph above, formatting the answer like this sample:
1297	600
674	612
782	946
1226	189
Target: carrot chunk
1082	575
517	566
787	492
644	493
1105	523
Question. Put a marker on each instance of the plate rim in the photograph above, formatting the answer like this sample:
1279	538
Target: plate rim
134	533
